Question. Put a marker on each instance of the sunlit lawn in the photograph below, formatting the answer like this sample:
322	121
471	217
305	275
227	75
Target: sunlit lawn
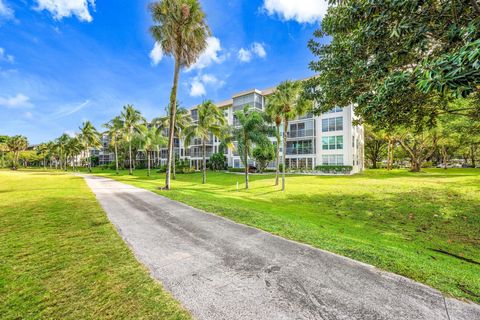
397	221
60	258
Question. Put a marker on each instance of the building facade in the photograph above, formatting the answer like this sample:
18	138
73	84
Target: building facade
328	139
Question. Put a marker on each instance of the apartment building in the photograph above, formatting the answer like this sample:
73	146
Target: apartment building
328	139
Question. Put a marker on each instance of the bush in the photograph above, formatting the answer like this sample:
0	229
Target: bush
217	162
334	169
187	170
427	164
162	169
236	169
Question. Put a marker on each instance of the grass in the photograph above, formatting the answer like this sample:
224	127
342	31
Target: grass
60	258
425	226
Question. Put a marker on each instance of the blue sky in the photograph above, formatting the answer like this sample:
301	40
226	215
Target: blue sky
66	61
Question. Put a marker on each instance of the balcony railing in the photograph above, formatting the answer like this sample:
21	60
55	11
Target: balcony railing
199	154
300	133
198	142
297	151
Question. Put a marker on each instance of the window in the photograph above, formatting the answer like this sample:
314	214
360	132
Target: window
332	160
332	143
334	110
332	124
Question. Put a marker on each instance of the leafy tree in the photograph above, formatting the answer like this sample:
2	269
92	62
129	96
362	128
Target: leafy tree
3	150
183	121
397	62
16	144
253	131
132	123
114	131
375	145
419	146
290	103
42	150
211	122
73	149
181	31
263	156
90	138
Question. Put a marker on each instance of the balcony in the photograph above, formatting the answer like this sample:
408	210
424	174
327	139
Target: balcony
300	133
198	142
300	151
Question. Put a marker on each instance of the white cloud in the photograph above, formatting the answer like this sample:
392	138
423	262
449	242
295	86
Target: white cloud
256	49
302	11
28	115
15	102
244	55
5	11
259	50
197	88
6	57
200	82
68	110
68	8
212	54
156	55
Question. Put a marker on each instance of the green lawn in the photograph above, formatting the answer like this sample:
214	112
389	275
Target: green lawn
60	258
397	221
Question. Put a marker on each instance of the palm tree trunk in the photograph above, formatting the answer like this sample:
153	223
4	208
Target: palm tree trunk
148	160
285	128
277	157
174	166
89	160
245	157
204	149
130	172
116	157
173	113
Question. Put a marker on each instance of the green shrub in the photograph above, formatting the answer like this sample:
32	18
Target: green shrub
334	169
187	170
427	164
236	169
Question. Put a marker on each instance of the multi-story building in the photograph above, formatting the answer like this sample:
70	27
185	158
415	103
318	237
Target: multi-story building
331	138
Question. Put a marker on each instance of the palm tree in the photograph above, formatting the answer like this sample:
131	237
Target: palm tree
183	121
152	138
42	150
61	145
132	121
253	130
274	111
211	121
181	31
114	131
3	150
291	103
16	144
73	149
90	138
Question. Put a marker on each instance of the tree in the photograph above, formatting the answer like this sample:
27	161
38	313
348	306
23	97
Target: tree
114	131
183	121
274	112
211	122
151	139
217	161
263	156
291	102
73	148
375	145
16	144
90	138
61	145
42	150
181	31
253	130
405	59
419	146
132	122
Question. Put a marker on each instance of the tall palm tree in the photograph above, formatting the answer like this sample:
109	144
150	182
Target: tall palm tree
152	138
90	138
181	30
274	111
73	149
289	98
183	121
253	130
211	121
16	144
132	123
42	150
114	131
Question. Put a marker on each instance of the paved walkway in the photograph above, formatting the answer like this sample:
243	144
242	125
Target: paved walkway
222	270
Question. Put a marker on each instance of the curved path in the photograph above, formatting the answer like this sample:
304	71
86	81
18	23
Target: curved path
219	269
